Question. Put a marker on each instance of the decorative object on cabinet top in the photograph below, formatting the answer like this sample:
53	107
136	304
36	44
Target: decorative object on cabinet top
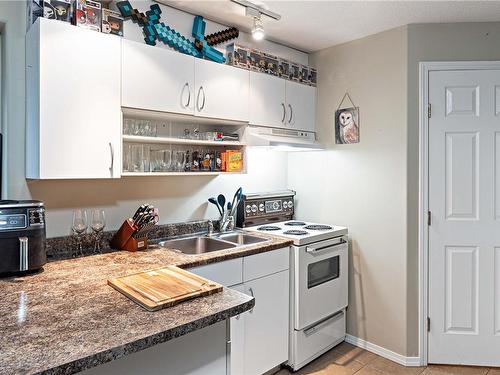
252	59
155	30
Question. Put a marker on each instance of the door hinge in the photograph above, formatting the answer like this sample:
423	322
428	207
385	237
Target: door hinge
428	324
429	218
429	110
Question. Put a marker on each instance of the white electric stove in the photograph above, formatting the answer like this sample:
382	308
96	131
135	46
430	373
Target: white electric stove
318	272
301	232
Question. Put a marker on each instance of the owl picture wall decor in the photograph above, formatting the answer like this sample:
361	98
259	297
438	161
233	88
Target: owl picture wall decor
347	125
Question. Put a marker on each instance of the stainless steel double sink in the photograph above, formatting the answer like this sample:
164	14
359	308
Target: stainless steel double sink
204	244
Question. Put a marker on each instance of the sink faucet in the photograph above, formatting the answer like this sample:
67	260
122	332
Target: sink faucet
210	228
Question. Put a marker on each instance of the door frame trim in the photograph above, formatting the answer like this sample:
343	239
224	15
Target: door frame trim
423	230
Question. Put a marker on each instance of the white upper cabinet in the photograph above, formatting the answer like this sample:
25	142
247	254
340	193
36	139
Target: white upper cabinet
221	91
157	79
73	102
280	103
267	100
301	106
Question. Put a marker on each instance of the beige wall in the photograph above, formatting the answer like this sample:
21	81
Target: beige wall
178	198
363	186
434	42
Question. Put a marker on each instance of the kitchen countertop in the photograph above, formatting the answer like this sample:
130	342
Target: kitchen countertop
67	319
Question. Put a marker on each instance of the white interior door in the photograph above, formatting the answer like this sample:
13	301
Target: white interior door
464	200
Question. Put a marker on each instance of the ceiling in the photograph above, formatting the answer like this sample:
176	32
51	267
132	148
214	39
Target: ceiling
314	25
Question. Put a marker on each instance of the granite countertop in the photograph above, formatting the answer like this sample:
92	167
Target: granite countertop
67	319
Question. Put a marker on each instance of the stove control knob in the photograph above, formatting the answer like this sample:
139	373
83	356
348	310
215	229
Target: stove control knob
254	208
261	207
290	204
248	209
276	205
285	205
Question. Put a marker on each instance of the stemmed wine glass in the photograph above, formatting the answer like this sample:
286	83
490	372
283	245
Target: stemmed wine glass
97	223
79	227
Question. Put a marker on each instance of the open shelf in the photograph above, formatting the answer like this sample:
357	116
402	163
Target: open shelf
179	141
179	118
150	174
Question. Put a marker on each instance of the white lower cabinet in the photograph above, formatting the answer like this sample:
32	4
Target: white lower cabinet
265	339
259	337
237	357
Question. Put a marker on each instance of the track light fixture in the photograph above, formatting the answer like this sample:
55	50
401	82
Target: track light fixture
256	12
258	28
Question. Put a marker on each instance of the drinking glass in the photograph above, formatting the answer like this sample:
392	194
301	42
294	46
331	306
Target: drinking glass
136	158
97	223
180	160
167	157
145	125
127	157
152	129
129	127
79	227
157	162
146	158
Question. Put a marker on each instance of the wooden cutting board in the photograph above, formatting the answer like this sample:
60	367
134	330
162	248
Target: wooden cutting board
163	287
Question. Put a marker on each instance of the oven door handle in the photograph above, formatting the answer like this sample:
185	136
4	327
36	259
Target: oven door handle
311	329
326	245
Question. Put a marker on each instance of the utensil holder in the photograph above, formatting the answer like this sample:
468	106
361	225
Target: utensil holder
124	238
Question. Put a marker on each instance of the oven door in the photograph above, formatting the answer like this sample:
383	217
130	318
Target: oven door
320	280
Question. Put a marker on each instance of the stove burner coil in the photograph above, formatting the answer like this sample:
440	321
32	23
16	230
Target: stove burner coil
296	232
318	227
295	223
268	228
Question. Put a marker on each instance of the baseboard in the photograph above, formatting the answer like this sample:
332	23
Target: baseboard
383	352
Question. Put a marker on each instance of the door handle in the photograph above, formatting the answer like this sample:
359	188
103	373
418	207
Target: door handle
291	113
23	253
112	158
200	90
251	292
329	245
284	112
189	94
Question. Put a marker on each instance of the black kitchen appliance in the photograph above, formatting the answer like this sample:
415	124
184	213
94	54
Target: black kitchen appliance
22	237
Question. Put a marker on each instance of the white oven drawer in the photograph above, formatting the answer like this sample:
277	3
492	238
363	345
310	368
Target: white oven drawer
320	281
314	341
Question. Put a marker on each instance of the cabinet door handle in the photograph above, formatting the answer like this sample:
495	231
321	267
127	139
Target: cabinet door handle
200	90
203	90
112	158
284	112
251	292
189	94
291	114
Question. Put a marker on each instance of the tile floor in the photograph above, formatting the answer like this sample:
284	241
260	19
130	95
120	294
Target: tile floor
346	359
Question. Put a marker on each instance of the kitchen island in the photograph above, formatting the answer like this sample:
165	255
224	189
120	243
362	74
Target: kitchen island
67	319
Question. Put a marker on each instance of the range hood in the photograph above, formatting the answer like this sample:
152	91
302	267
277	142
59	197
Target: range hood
281	139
